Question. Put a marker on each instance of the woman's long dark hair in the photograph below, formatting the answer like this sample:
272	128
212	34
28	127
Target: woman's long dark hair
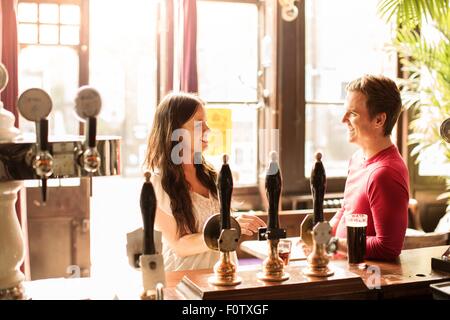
172	113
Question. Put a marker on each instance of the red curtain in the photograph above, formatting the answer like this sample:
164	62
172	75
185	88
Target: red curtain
168	52
189	76
187	23
10	56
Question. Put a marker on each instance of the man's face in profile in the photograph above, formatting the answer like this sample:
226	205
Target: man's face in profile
361	129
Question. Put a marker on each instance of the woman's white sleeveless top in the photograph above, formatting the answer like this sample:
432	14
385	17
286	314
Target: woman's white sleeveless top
202	208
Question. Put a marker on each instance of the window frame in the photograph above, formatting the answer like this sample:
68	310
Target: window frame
248	191
291	97
82	48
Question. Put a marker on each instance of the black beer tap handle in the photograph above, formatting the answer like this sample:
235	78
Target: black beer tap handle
225	188
91	132
318	186
42	144
44	190
273	186
273	191
42	134
148	211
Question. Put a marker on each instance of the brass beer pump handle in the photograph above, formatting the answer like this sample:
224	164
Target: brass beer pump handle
225	188
228	237
318	185
148	211
321	232
273	191
221	232
273	186
151	262
273	265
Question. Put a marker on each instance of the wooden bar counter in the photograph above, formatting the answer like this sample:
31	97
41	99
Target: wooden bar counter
408	277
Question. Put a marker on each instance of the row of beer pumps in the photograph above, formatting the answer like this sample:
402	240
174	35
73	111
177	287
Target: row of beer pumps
222	232
63	157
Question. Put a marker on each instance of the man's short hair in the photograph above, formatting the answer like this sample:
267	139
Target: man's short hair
382	95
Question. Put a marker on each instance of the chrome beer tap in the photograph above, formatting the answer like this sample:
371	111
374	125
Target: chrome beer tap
87	106
273	266
222	232
24	158
35	105
321	232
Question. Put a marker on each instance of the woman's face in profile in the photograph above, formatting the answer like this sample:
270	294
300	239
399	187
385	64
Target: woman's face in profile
198	130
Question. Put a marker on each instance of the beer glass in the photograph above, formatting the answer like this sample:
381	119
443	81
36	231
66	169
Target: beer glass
284	250
356	238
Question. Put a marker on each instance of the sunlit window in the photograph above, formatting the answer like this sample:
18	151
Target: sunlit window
48	23
341	45
69	14
27	12
49	13
123	69
54	69
227	45
49	59
432	160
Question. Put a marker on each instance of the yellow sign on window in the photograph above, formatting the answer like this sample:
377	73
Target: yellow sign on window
219	139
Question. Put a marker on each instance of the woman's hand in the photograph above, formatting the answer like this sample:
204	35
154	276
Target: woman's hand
249	223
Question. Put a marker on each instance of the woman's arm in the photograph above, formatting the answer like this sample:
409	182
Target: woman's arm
182	246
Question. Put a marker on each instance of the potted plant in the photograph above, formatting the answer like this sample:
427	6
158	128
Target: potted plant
422	41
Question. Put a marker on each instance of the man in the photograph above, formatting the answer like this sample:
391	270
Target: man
377	182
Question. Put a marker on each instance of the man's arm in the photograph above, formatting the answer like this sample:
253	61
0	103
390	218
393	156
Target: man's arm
335	220
388	198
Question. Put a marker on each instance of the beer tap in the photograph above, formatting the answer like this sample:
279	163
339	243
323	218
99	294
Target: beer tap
273	266
151	262
87	107
222	232
35	105
321	232
24	158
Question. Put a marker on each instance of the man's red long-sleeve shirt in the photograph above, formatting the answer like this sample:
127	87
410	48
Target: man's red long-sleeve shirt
378	187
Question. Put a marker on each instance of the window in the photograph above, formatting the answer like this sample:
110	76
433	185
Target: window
110	45
49	58
341	45
49	23
122	39
433	161
228	70
123	70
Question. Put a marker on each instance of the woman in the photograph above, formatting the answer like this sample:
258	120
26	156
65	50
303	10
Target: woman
185	185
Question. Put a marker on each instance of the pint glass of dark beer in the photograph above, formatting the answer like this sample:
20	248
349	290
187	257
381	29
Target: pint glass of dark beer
356	238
